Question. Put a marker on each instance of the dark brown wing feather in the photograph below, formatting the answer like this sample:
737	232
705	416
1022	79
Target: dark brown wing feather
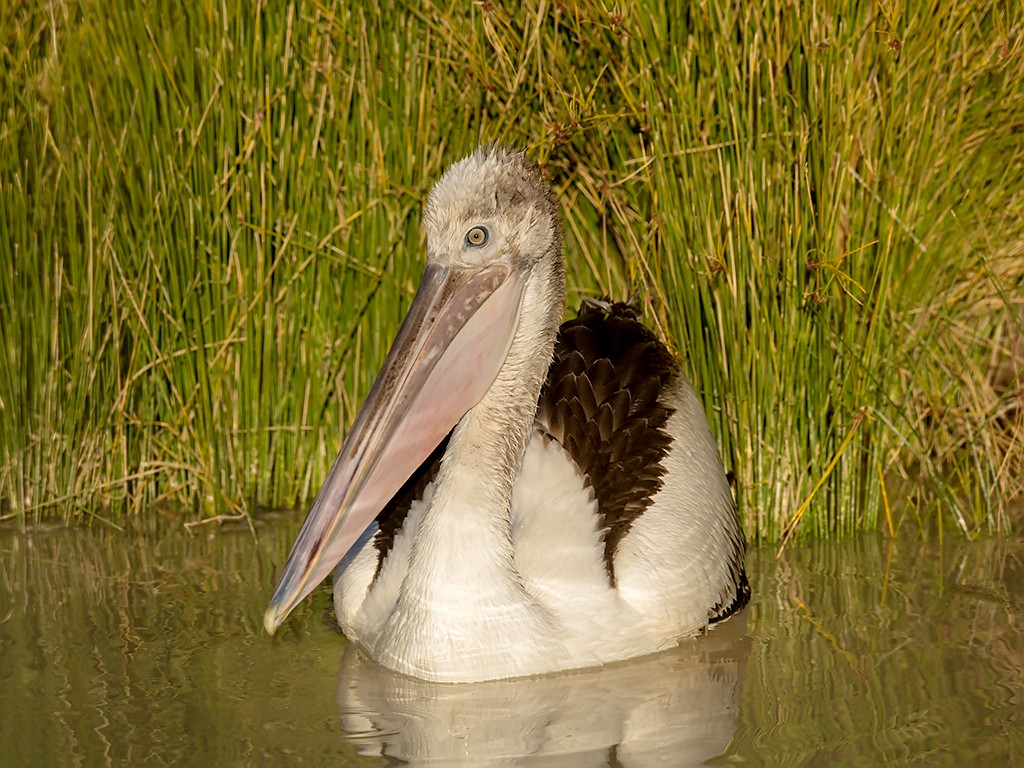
742	597
603	402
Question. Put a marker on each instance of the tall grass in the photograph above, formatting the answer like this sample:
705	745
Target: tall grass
209	230
851	161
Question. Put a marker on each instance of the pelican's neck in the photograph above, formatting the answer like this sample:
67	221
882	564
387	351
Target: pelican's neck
462	552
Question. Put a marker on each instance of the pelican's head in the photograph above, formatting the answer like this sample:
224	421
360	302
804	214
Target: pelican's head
493	258
489	208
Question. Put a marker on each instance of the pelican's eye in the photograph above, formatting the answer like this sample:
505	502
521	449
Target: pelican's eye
477	237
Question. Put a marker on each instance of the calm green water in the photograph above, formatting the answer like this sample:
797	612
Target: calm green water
148	649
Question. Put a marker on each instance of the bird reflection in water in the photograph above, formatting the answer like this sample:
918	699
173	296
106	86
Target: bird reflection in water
675	708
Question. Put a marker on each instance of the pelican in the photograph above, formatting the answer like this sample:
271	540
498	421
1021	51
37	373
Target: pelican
517	497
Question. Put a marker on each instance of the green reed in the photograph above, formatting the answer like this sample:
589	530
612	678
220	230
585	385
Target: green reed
209	231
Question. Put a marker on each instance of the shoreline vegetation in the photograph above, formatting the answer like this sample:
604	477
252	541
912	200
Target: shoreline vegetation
210	229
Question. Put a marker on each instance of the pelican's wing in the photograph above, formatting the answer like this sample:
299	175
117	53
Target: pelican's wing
604	402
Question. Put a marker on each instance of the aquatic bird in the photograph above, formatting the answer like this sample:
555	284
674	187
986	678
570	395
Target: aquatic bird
518	497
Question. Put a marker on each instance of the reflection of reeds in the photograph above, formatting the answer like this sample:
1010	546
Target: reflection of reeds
147	648
209	227
880	652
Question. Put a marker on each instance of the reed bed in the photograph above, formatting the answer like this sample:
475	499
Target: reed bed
209	231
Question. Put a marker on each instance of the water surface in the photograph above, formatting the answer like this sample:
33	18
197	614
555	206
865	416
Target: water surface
147	648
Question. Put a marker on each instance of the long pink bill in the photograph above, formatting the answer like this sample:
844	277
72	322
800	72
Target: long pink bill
447	354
